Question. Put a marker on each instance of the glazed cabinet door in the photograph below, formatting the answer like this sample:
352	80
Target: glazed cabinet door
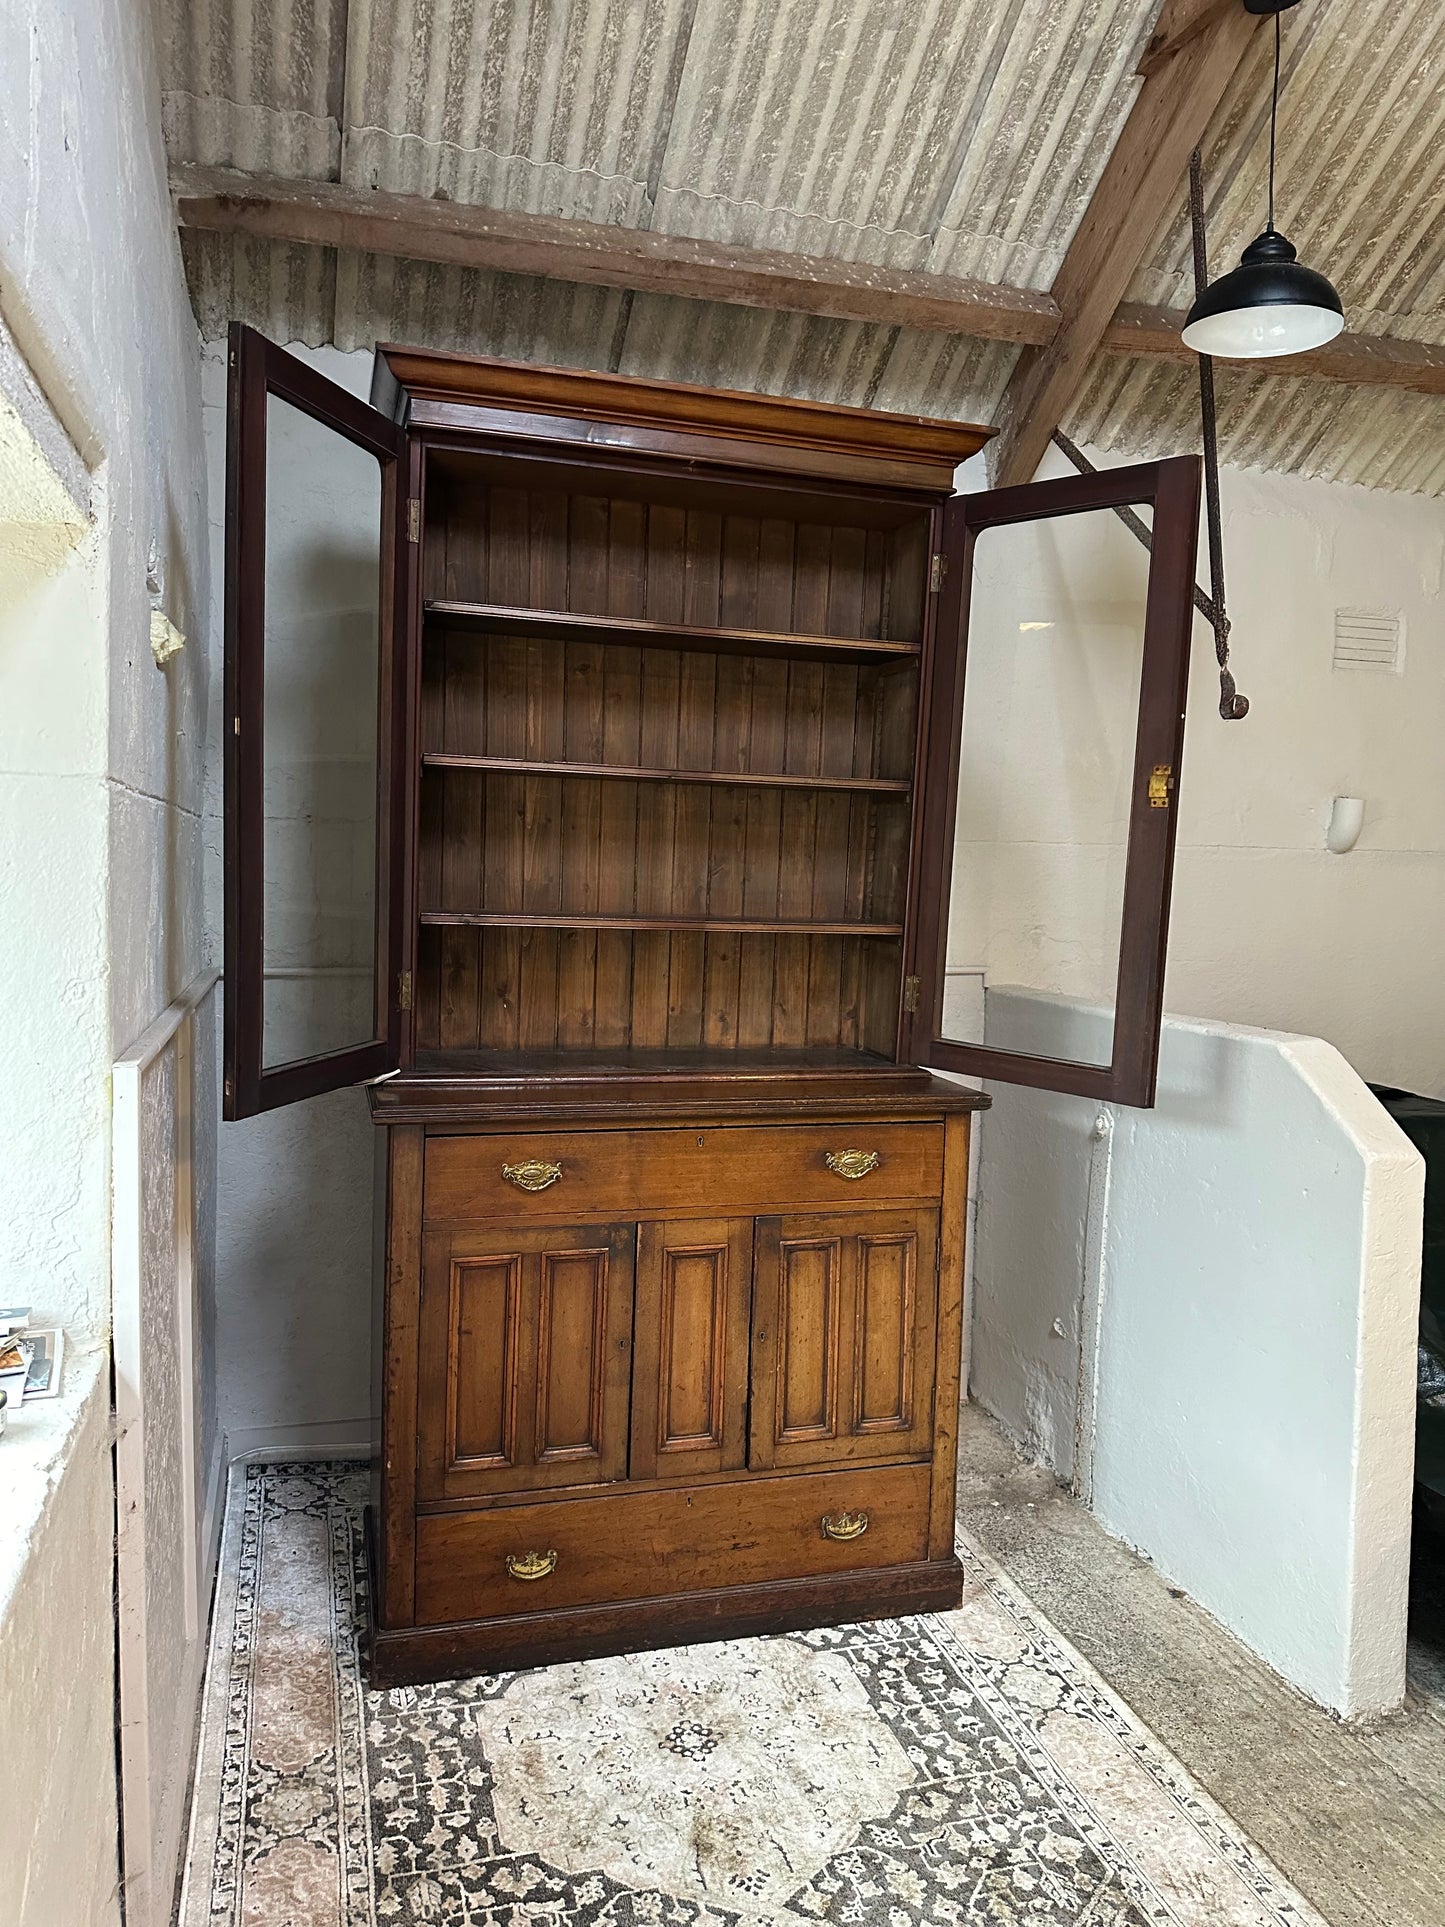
844	1316
690	1372
315	690
1053	745
525	1358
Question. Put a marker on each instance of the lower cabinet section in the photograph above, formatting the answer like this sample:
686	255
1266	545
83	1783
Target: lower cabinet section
645	1545
652	1386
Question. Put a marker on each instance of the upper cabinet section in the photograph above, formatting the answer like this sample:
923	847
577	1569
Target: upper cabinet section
581	726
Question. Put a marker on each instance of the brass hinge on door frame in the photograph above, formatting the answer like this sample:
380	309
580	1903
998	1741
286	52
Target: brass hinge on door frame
937	569
910	994
403	990
413	518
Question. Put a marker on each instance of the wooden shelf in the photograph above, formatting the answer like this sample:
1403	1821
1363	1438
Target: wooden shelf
756	926
523	766
624	1060
564	627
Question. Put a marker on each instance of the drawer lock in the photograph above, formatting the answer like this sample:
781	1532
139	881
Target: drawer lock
531	1565
534	1175
844	1525
851	1164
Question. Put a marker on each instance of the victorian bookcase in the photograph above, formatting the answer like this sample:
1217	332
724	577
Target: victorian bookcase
593	765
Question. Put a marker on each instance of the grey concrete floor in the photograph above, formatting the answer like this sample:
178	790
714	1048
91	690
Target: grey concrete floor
1352	1814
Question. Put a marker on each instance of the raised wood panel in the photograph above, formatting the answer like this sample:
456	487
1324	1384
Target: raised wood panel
666	1172
571	1354
844	1319
483	1360
809	1286
643	1544
885	1331
525	1358
690	1372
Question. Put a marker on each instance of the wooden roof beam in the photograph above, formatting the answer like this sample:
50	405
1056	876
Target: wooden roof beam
1202	45
323	214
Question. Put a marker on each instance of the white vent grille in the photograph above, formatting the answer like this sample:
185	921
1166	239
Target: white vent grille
1369	639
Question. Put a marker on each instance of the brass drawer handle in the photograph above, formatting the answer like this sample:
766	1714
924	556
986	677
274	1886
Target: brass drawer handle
851	1164
844	1525
534	1175
531	1565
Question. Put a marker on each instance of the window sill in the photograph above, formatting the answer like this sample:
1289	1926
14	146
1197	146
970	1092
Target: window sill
39	1443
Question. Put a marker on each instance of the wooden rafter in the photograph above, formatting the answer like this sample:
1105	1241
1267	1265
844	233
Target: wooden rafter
1200	49
322	214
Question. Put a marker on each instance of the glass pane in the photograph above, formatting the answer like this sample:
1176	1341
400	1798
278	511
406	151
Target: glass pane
1050	711
323	548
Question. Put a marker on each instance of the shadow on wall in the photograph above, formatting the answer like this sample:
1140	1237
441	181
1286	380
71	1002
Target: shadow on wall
294	1257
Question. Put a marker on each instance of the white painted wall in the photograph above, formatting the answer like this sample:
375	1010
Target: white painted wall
1215	1303
100	854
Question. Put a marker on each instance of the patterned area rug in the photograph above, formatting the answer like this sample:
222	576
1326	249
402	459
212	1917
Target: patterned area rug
928	1772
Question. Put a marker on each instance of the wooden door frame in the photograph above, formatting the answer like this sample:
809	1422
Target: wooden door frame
259	369
1171	488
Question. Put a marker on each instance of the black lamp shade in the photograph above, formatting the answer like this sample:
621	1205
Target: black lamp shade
1269	305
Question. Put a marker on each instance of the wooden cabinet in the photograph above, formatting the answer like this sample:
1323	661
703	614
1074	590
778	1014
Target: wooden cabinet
594	764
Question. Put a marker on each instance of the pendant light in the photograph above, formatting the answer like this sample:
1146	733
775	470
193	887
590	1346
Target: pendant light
1269	305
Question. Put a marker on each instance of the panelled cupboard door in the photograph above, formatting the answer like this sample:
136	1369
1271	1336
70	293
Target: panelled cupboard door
844	1326
525	1358
1055	729
315	701
690	1347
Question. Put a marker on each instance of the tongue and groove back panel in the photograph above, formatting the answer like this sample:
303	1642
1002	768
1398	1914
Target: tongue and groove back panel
514	862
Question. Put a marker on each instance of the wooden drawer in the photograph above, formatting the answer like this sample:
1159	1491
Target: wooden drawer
640	1545
650	1173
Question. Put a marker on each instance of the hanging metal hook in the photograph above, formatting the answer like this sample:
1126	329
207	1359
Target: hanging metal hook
1233	707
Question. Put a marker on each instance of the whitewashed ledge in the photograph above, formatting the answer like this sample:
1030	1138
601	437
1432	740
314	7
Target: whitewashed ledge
35	1450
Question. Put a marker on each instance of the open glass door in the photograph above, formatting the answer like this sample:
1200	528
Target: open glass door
314	710
1057	724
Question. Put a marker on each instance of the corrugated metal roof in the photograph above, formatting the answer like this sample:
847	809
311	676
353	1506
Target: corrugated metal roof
958	136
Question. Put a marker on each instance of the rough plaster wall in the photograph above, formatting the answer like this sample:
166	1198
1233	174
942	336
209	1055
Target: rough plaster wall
101	763
53	1176
91	288
1230	1324
57	1766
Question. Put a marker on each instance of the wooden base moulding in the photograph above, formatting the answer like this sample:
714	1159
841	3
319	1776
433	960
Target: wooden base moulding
414	1655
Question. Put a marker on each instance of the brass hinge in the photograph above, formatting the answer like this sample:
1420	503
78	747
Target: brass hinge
1161	781
910	994
403	989
937	569
235	725
413	518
